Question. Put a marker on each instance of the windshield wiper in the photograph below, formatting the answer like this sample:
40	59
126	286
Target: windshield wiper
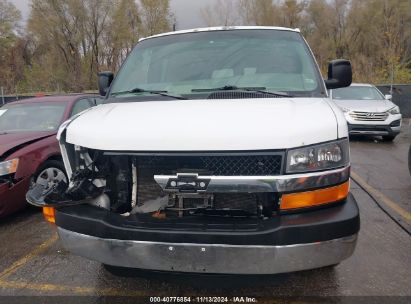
261	90
139	90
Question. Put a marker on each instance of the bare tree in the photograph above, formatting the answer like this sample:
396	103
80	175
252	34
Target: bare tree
96	20
156	16
123	33
259	12
66	42
222	13
10	17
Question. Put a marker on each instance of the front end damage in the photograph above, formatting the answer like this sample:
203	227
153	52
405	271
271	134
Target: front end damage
213	212
175	185
165	185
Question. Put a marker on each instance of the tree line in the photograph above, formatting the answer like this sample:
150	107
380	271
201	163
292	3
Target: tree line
374	34
65	43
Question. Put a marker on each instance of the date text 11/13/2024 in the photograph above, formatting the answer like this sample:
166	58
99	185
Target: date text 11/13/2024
203	299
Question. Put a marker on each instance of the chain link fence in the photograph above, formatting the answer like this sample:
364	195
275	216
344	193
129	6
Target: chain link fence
401	96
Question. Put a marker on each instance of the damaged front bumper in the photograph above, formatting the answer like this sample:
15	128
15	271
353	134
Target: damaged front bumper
58	195
212	184
173	213
209	258
293	242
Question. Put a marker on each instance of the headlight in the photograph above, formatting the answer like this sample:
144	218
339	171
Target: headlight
318	157
9	166
345	110
394	111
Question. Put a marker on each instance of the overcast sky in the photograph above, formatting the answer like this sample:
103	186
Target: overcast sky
187	12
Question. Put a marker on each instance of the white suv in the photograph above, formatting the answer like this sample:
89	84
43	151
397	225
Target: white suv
368	111
216	150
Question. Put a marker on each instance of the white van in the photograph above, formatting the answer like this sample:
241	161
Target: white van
216	150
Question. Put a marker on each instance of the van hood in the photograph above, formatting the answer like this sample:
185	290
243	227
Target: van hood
16	140
205	125
365	105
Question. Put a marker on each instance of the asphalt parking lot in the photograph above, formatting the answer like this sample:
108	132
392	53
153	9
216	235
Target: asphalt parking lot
33	261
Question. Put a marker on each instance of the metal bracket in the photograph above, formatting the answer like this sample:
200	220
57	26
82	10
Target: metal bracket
187	183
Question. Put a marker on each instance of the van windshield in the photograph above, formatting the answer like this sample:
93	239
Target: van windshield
269	60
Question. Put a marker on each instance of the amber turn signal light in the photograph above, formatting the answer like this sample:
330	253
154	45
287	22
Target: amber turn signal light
49	214
315	198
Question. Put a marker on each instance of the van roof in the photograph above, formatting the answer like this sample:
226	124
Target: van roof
223	28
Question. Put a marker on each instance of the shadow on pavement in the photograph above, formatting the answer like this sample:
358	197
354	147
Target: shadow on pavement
293	282
19	216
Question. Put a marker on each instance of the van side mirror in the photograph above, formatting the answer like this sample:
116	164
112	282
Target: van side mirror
388	97
104	81
339	74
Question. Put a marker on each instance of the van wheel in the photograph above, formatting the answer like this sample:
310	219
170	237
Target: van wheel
389	137
49	173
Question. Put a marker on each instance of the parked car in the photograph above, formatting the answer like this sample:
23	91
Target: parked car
368	111
29	151
216	150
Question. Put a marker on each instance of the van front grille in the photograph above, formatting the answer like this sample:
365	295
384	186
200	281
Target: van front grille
218	165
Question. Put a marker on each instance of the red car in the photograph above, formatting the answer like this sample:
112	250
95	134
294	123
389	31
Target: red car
29	151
